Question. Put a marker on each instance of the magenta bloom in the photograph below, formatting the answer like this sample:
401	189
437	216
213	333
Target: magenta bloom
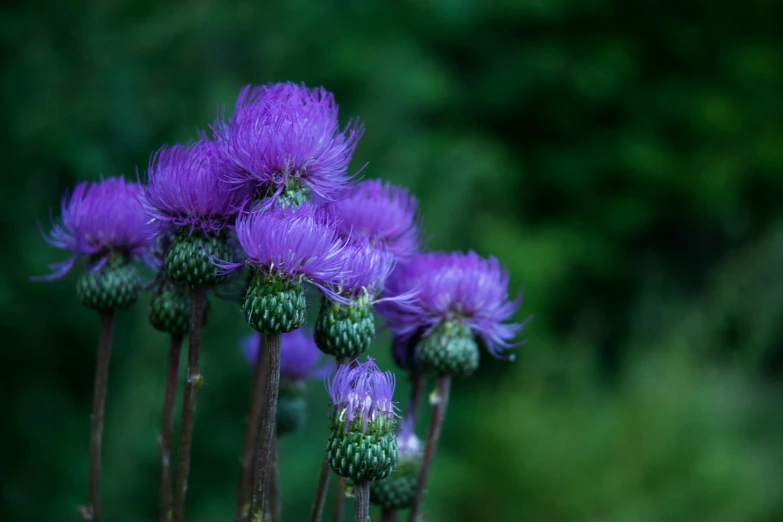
285	135
363	392
185	190
380	213
365	271
294	244
452	286
299	356
98	219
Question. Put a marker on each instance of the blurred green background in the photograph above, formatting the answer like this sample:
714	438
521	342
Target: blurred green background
623	159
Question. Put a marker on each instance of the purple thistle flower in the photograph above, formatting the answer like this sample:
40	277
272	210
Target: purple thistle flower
380	213
285	134
97	219
293	243
362	393
299	356
185	190
452	286
366	270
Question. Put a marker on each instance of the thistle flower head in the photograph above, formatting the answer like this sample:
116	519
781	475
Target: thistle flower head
453	287
365	270
299	356
292	244
362	394
98	219
283	136
380	213
185	190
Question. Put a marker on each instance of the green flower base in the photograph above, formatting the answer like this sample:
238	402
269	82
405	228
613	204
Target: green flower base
114	286
344	331
188	258
450	349
399	489
274	305
362	456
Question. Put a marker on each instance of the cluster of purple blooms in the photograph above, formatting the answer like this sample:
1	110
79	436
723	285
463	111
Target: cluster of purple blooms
274	177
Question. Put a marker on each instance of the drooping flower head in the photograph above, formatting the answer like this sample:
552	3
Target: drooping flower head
286	247
98	220
380	213
299	357
286	137
362	395
457	288
185	189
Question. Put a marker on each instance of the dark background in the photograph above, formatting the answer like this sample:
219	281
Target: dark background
622	159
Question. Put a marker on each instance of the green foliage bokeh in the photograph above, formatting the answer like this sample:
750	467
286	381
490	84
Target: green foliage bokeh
623	159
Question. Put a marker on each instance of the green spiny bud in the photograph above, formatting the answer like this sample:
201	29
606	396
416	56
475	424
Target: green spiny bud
275	305
450	349
170	309
345	331
399	489
362	456
188	258
113	286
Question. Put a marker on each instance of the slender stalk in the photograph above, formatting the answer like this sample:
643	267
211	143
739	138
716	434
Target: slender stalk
389	515
252	426
339	500
320	494
192	384
167	427
361	491
323	478
272	344
91	512
440	402
416	380
275	507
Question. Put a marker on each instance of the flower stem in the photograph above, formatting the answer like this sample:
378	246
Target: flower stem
440	401
389	515
91	512
416	380
275	508
320	493
361	491
192	384
272	346
323	479
250	448
339	500
167	427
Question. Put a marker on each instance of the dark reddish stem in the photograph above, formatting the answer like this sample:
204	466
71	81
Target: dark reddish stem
416	380
272	347
167	427
440	402
361	492
249	450
91	512
275	507
192	384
